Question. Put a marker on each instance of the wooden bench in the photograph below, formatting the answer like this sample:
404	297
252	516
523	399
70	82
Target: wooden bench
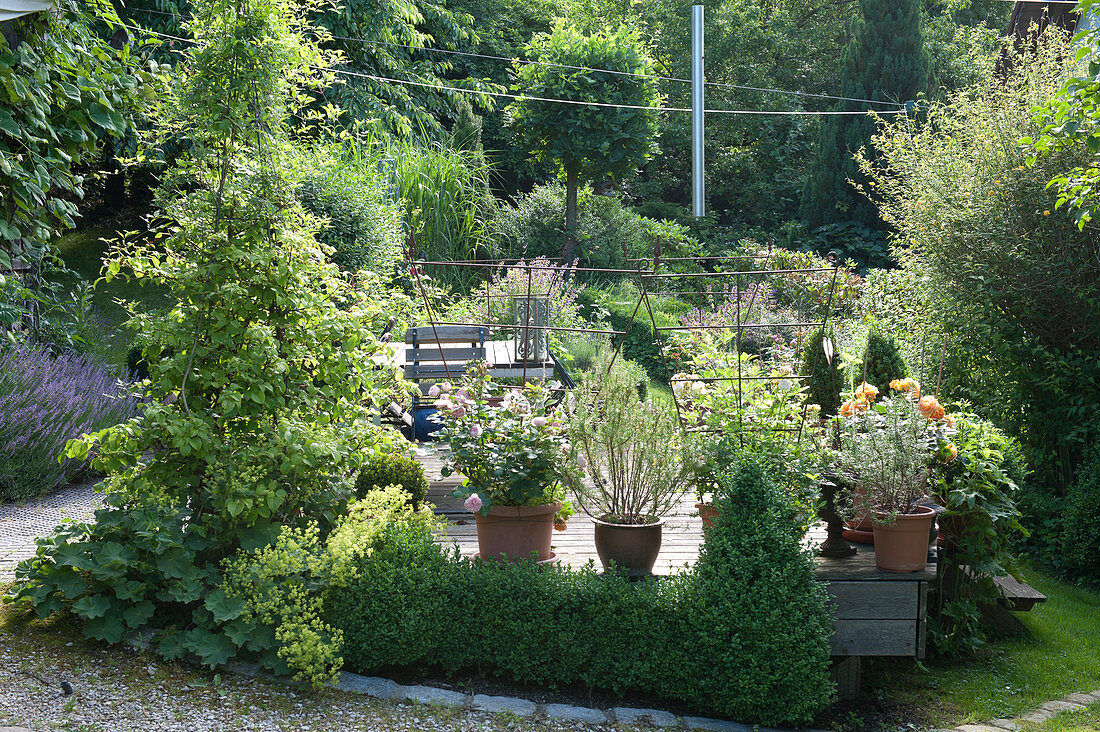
1017	596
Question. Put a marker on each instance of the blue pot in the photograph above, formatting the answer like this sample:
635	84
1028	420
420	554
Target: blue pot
425	423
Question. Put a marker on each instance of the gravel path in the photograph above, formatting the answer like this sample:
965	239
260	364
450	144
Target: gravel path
120	689
21	523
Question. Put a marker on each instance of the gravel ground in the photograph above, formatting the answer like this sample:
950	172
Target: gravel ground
116	688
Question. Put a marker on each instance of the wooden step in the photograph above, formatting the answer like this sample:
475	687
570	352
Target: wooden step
1017	596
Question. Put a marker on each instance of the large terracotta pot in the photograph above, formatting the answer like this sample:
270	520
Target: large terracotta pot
517	532
633	548
903	545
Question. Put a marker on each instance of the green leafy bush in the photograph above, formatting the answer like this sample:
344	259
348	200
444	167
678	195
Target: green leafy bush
1006	272
1082	522
617	305
363	227
707	638
823	369
257	421
384	469
882	361
608	231
978	488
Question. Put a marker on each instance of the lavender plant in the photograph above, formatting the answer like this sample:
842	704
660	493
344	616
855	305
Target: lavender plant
45	401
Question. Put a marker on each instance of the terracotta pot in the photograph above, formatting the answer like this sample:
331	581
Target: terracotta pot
708	513
517	532
633	548
903	545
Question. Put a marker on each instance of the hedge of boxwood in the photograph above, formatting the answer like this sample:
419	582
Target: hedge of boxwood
745	634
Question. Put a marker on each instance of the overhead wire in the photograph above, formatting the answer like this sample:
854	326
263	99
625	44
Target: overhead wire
551	64
579	102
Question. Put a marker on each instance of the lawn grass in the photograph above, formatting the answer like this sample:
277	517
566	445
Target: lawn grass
1055	652
83	250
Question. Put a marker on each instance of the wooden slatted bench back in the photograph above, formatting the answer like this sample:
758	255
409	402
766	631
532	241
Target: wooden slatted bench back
442	352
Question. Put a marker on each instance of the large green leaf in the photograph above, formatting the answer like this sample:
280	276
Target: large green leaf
223	607
92	606
213	649
109	628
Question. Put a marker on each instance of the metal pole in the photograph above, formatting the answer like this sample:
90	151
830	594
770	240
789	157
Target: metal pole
697	199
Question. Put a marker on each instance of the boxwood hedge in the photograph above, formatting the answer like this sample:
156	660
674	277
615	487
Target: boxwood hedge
745	634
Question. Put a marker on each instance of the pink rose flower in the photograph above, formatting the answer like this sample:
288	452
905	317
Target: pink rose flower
458	412
473	503
445	387
539	421
433	392
475	431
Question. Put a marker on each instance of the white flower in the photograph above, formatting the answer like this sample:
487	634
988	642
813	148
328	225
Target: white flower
786	384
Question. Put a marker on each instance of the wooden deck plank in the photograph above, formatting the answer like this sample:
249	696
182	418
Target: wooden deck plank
682	537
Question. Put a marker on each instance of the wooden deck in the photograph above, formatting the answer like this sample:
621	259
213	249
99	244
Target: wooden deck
683	533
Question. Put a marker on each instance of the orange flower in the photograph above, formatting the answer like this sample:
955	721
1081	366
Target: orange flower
930	407
952	452
906	386
949	420
846	409
867	392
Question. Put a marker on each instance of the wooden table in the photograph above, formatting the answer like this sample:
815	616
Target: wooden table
499	355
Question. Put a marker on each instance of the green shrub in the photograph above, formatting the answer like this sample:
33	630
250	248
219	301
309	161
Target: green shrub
978	488
882	361
393	468
363	227
1007	272
825	382
1082	522
707	638
640	341
608	231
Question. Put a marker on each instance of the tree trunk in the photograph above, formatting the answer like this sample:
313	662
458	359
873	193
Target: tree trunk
570	214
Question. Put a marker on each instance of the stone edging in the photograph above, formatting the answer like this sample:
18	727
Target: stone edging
392	691
1042	714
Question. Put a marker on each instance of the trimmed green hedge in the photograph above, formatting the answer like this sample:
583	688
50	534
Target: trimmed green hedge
745	635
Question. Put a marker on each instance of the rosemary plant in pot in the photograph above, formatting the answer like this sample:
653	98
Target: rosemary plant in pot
509	450
631	465
887	449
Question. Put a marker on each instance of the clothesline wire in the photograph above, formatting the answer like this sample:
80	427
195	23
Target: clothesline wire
714	84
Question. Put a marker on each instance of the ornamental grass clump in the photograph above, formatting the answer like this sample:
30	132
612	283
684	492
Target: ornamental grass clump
45	401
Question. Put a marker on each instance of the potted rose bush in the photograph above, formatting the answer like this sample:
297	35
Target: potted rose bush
888	447
509	451
631	464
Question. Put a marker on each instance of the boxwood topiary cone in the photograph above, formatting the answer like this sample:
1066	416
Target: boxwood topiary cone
823	368
882	361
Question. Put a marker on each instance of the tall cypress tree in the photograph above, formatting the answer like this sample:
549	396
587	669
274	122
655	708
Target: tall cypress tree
885	60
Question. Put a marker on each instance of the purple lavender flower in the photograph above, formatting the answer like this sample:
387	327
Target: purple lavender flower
45	401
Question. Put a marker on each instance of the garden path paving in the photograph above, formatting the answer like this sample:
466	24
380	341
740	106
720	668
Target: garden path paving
21	523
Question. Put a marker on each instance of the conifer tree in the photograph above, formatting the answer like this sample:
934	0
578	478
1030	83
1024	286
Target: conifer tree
885	60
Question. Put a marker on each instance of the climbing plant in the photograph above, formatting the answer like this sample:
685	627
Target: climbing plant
63	90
